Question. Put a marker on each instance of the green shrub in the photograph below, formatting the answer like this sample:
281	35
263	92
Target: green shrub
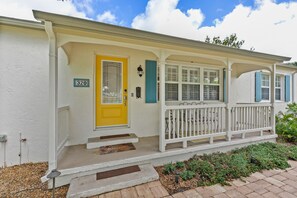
204	169
169	168
180	165
223	167
292	155
238	166
286	123
187	174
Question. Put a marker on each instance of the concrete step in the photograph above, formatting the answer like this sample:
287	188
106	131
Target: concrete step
87	186
97	142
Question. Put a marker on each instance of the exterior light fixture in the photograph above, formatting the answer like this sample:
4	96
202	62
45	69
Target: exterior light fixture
140	71
53	174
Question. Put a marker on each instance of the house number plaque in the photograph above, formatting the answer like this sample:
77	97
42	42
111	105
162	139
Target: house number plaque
80	82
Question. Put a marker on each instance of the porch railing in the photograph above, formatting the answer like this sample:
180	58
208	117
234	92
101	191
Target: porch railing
249	117
191	122
63	127
194	122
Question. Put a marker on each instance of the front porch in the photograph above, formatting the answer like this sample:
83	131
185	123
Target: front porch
146	152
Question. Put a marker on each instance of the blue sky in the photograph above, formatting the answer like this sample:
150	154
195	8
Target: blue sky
126	10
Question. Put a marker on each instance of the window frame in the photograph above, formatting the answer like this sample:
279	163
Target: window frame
201	83
269	85
173	82
282	88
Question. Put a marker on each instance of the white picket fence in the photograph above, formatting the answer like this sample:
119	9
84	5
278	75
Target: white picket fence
191	122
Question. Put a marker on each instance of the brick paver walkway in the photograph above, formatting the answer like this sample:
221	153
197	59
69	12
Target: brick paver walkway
272	183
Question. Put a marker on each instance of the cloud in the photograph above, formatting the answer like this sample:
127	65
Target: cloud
268	26
23	9
162	16
84	6
107	17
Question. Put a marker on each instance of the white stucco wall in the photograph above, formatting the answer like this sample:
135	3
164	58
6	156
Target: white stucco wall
23	94
143	118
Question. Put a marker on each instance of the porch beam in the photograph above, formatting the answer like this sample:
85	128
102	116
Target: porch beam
228	102
272	100
53	97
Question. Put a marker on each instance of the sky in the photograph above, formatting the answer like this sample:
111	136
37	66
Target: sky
268	26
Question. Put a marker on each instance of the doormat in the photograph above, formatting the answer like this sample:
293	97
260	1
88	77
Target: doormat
116	148
117	172
114	136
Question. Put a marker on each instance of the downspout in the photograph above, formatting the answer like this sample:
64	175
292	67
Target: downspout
53	99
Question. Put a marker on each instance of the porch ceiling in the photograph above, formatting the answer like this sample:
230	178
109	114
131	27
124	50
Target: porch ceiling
244	68
195	59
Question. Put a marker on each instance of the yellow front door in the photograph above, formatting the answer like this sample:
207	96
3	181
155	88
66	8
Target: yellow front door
111	91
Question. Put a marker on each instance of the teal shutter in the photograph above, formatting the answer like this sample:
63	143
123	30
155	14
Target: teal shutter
287	88
258	84
150	81
225	85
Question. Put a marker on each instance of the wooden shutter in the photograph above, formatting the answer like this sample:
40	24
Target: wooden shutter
287	88
225	85
258	84
150	81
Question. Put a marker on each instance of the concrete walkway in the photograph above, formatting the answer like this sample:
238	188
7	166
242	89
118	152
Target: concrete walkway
272	183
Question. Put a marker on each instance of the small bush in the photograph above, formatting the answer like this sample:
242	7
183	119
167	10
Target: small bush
204	169
187	175
238	166
292	155
180	165
168	168
286	123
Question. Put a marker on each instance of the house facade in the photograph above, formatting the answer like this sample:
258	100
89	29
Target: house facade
67	82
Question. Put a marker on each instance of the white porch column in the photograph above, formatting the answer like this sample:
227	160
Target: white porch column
272	100
228	102
53	97
162	144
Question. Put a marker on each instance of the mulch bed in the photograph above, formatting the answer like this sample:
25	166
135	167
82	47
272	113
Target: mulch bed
168	181
24	181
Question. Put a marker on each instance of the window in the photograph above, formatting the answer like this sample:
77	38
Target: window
186	83
278	88
190	83
211	85
171	83
265	87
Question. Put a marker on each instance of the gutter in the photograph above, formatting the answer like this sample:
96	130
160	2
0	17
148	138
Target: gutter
21	23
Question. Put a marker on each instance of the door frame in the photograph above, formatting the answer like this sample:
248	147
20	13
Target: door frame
98	128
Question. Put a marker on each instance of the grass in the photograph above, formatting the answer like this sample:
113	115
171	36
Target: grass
223	167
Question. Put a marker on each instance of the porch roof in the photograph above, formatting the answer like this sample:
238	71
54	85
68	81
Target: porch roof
62	21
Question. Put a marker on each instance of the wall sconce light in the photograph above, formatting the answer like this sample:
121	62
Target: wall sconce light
140	71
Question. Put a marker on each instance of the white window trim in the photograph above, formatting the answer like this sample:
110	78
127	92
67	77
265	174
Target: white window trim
201	83
269	87
282	86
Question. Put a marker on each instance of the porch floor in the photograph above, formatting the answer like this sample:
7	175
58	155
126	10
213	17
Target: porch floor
78	155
